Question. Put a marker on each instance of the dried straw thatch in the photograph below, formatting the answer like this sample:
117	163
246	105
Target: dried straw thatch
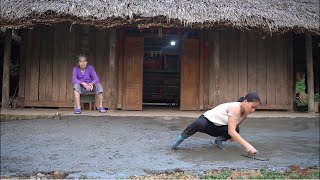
300	16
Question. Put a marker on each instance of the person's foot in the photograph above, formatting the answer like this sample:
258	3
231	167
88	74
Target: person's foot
102	110
179	141
218	141
77	111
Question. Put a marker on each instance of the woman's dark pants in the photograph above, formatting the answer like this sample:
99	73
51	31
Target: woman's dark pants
202	124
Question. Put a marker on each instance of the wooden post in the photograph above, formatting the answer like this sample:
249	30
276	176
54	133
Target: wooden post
201	70
310	73
6	69
113	70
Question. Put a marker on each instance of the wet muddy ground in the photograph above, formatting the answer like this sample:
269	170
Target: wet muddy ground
115	147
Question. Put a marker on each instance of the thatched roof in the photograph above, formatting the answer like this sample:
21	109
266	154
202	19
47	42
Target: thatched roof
300	16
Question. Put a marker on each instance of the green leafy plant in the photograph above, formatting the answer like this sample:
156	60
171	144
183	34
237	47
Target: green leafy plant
14	69
317	97
300	86
302	99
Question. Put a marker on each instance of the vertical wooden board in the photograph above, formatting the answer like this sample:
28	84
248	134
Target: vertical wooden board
22	72
201	71
28	65
113	69
49	49
106	68
58	30
277	59
243	64
78	41
271	76
43	62
252	62
216	68
120	75
210	81
189	74
71	61
34	79
233	66
133	53
286	81
101	60
281	86
291	91
224	66
63	61
262	70
92	46
207	63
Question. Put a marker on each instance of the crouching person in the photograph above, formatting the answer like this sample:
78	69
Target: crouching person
85	79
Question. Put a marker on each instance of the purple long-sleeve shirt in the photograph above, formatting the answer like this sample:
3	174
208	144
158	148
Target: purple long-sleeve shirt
89	76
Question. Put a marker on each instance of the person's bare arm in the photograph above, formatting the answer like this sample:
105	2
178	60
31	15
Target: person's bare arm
232	124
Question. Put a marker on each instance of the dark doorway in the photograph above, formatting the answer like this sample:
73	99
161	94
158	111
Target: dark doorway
161	71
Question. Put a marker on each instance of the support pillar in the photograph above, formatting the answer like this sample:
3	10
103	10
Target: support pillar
6	69
310	73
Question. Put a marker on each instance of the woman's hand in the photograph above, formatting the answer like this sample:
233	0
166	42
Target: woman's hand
86	86
90	86
251	149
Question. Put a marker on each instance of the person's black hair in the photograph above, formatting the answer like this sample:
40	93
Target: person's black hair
81	55
250	97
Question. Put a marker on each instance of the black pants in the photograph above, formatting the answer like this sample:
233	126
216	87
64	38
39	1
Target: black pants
202	124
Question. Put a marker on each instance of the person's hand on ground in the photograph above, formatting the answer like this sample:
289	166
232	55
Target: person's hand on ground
251	150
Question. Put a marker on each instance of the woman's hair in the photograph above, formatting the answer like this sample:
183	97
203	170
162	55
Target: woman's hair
80	56
250	97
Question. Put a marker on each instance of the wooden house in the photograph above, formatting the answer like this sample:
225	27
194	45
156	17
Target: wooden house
188	53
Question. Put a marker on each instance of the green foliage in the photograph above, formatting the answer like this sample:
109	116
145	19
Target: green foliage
302	99
317	97
272	174
300	86
312	175
14	69
224	174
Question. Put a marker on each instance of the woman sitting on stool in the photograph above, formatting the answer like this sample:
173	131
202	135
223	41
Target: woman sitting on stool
85	79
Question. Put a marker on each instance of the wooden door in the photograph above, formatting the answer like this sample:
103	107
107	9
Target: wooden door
133	73
190	75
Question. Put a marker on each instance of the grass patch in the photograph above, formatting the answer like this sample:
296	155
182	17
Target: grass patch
223	174
293	173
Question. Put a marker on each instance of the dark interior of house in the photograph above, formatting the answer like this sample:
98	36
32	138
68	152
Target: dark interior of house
161	71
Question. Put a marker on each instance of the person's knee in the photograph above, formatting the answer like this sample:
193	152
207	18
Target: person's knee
77	87
202	122
98	88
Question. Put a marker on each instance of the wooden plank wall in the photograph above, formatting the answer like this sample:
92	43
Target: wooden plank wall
50	54
248	62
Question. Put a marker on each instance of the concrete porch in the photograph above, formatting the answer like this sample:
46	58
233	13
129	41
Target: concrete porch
31	113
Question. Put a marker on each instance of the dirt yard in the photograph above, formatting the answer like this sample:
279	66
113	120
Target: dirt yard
122	147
